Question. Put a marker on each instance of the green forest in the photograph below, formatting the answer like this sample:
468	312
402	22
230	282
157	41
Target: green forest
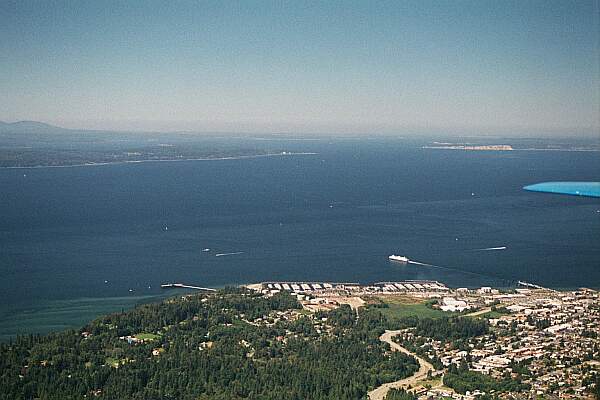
462	380
230	345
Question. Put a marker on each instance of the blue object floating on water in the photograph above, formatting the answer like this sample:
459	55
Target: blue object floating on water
590	189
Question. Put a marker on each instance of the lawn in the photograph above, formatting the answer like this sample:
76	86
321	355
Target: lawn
433	382
399	307
146	336
491	315
113	362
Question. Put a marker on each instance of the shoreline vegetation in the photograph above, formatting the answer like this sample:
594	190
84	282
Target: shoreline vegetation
35	319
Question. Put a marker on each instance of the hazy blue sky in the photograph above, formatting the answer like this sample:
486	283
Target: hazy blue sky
372	66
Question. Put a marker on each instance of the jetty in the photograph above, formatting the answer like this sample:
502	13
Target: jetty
530	285
184	286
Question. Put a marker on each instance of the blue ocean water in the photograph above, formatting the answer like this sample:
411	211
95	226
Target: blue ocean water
77	242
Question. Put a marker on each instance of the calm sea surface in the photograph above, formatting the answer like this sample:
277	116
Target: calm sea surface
77	242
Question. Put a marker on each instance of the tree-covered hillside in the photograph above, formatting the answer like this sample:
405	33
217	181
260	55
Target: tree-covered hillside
229	345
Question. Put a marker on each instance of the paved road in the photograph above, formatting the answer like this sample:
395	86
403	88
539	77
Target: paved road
424	367
480	312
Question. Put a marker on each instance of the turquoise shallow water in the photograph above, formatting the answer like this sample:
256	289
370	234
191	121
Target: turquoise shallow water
54	315
591	189
333	216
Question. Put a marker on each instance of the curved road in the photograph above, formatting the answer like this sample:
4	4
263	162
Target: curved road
424	367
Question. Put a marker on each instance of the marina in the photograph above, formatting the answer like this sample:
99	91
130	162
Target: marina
351	288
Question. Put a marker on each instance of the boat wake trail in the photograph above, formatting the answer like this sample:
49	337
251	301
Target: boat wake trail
228	254
492	248
460	270
420	263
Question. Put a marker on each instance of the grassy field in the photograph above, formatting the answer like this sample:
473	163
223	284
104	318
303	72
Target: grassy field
491	315
399	307
113	362
433	382
146	336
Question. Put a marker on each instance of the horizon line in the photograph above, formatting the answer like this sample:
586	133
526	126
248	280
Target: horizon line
464	131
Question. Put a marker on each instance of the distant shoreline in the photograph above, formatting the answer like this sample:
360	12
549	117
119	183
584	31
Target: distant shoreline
92	164
495	148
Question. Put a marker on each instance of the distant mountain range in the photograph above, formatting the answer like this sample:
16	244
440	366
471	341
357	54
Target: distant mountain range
30	127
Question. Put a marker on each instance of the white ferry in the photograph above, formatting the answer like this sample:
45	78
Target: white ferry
401	259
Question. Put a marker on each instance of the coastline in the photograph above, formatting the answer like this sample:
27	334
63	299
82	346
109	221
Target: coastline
169	160
506	149
59	315
63	314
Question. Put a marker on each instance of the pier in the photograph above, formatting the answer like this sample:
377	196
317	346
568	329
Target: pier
183	286
530	285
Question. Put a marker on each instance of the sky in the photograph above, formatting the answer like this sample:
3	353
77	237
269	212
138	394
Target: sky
511	67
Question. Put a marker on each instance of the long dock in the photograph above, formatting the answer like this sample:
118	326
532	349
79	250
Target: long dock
183	286
530	285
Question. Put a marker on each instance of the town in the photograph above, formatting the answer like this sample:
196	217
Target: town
546	340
